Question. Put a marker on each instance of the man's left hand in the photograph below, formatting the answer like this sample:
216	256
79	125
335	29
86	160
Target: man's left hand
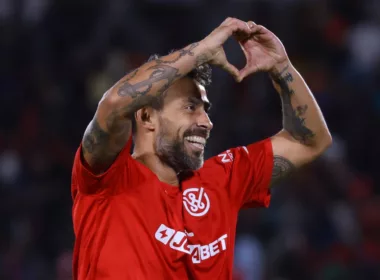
263	51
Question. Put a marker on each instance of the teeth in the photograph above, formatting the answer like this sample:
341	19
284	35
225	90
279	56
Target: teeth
196	139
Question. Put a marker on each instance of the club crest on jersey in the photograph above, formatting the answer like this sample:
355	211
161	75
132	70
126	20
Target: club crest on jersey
196	201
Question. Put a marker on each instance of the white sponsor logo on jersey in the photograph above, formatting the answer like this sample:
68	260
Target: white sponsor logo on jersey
164	234
226	157
196	201
177	240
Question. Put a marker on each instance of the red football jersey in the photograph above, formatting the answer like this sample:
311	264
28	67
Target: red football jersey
130	225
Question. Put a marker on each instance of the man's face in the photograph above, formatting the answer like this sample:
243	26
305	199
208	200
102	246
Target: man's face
184	126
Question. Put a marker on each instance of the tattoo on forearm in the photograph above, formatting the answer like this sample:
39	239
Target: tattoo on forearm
132	74
281	168
279	74
161	77
293	118
181	53
160	73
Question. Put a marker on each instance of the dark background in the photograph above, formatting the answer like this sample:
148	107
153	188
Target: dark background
58	57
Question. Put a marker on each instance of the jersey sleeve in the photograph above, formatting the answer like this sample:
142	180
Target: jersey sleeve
247	173
86	182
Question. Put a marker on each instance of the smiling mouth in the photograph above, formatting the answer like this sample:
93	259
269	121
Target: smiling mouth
196	141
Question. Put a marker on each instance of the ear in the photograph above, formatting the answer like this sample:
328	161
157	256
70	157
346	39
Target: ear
146	118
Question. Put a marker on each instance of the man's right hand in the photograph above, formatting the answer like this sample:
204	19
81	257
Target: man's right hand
214	42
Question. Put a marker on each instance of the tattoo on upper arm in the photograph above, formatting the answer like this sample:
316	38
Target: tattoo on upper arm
281	168
293	118
94	138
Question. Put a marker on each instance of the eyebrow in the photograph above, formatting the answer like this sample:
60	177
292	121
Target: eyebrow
198	101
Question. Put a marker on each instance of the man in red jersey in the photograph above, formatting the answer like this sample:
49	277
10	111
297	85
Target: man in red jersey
163	213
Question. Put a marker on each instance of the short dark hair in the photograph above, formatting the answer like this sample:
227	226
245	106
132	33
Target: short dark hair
202	74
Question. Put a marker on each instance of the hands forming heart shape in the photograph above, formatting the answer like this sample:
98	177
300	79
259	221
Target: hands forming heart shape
262	49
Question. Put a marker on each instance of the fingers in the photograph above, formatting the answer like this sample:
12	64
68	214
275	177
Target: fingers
248	27
239	28
229	20
234	25
242	30
259	31
251	24
226	21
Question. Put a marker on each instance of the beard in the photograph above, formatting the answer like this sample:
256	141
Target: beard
171	149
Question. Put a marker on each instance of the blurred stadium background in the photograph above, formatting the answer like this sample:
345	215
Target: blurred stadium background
59	56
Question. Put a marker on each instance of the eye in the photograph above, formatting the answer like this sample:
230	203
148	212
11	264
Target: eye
190	107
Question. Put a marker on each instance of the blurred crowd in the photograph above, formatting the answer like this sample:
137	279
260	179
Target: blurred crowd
59	56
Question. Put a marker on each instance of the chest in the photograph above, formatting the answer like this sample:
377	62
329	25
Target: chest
195	224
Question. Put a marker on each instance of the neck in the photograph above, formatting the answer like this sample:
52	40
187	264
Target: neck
164	173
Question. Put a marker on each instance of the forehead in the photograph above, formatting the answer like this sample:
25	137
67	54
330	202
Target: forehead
186	88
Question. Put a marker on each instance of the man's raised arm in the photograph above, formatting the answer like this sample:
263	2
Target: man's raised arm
110	128
305	135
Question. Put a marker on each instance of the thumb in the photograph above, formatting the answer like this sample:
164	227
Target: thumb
231	70
246	71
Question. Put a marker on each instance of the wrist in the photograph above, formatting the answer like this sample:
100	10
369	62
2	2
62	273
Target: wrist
205	53
280	68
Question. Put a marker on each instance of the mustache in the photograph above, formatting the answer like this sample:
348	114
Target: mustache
197	131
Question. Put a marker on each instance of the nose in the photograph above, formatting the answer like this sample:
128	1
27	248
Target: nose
204	121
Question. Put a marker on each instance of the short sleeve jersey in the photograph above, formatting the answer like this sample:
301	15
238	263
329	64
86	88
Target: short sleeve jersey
130	225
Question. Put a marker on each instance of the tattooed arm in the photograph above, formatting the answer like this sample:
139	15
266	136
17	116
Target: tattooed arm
305	134
110	128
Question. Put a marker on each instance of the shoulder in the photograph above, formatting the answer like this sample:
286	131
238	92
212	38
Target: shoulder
220	165
225	161
124	172
226	158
